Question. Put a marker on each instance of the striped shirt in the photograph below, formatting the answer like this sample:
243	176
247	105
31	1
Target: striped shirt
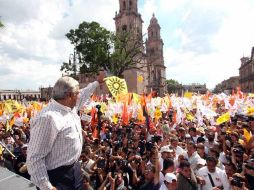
56	138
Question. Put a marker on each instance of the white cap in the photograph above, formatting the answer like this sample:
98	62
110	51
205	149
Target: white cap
169	177
24	146
19	122
165	149
201	161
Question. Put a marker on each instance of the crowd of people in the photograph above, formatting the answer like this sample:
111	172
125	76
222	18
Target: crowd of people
142	156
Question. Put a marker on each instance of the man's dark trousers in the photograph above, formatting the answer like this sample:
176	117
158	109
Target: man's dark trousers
67	177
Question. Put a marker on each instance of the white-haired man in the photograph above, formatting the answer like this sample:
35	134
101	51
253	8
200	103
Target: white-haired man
56	137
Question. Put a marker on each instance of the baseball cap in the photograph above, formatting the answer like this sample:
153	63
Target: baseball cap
165	149
250	164
24	146
201	161
169	177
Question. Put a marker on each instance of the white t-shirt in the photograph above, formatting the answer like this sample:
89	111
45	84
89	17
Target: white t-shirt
219	178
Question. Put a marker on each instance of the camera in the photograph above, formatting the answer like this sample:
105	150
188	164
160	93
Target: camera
101	163
238	152
228	137
122	162
137	161
237	182
149	146
156	138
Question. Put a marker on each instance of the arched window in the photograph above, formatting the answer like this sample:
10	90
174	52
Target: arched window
124	28
124	5
130	4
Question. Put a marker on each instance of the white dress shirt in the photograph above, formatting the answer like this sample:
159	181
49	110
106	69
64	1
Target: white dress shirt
219	178
193	159
56	139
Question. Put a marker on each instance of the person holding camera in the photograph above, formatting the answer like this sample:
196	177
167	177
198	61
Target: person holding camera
113	181
237	182
151	180
249	173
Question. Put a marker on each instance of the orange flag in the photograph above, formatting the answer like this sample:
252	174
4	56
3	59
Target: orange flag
94	117
246	134
93	98
124	98
125	115
174	116
95	133
170	102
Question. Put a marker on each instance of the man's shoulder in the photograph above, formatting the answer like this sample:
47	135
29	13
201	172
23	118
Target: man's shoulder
220	171
202	170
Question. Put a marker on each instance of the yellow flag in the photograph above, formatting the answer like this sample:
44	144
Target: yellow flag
116	85
140	78
251	95
115	119
1	150
12	121
8	127
11	106
36	105
223	118
188	95
25	120
157	114
246	134
250	110
189	117
140	115
103	107
136	98
124	98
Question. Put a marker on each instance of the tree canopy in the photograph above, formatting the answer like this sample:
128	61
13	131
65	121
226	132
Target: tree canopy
97	48
1	24
173	86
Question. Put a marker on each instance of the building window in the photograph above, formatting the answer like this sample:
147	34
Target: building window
152	51
124	28
130	4
124	5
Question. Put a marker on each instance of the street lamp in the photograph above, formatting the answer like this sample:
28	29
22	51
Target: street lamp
72	61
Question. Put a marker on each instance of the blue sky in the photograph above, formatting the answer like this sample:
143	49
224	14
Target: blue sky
203	39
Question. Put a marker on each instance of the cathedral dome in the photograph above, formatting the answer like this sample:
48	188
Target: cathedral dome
153	20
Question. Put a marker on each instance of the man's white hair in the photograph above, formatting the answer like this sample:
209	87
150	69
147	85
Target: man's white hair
64	85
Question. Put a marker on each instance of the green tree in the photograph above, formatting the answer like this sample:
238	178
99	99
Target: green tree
92	44
96	48
173	86
1	24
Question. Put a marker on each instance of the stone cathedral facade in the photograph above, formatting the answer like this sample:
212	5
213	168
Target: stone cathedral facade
151	65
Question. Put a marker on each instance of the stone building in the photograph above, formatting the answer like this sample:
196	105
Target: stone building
19	95
46	93
246	72
150	66
196	88
227	86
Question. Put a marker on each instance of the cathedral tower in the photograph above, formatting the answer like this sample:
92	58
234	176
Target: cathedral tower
155	60
129	20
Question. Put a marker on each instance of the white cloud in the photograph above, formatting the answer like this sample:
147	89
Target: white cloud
33	42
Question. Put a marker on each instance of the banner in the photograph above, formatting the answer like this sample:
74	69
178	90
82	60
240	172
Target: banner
116	85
